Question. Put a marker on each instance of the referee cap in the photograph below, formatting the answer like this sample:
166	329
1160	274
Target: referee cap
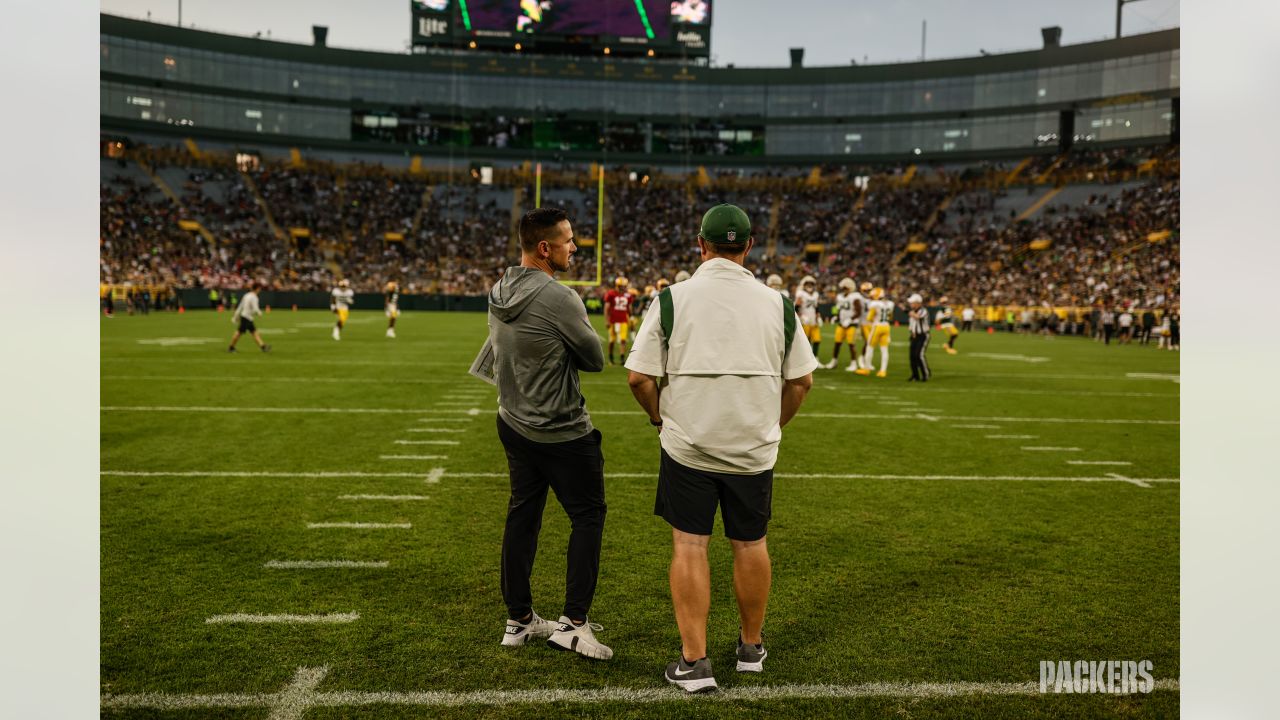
915	297
725	225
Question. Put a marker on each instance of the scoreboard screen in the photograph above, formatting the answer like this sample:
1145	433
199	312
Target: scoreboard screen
626	27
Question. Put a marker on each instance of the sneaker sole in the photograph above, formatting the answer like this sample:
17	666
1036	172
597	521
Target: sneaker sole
694	687
753	667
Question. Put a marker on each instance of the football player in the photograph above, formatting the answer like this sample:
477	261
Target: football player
775	282
849	307
946	319
807	309
340	303
390	301
864	327
880	315
617	307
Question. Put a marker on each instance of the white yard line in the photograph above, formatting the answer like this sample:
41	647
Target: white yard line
1049	448
236	618
261	474
977	427
436	430
437	474
413	457
395	498
427	442
323	564
218	408
1012	437
1099	462
476	411
851	390
300	695
1140	482
297	696
275	379
357	526
443	420
1155	376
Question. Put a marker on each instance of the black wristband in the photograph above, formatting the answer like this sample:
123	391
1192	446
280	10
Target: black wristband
655	423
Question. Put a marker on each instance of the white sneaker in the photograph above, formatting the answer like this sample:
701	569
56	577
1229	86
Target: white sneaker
579	639
853	367
518	633
391	332
830	365
336	334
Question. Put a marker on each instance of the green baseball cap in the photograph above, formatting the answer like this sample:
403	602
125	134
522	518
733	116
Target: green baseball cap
725	225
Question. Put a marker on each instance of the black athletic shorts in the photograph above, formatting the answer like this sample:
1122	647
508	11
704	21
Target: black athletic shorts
246	325
687	500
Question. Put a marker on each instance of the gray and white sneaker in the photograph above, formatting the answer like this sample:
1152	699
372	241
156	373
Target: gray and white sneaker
518	633
751	657
695	678
580	639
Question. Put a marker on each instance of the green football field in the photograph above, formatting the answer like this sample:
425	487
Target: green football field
931	544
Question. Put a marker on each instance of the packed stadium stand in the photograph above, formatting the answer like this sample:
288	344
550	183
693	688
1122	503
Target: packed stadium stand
1045	178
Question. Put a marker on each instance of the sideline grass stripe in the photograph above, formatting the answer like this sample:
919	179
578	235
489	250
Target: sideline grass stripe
323	564
436	430
437	474
237	618
300	695
357	526
427	442
413	457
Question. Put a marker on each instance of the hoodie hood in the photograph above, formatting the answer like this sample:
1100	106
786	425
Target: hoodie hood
515	290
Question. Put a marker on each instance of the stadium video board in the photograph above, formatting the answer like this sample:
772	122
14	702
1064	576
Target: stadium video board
625	27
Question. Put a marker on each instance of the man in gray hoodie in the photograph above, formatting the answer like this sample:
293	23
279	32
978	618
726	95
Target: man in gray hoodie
539	339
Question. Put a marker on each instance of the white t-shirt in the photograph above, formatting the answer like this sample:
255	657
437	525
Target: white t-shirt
807	306
1126	320
343	297
967	314
248	307
723	369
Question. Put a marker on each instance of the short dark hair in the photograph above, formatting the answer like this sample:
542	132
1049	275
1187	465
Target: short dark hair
538	225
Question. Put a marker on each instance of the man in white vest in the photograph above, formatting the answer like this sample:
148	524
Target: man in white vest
720	364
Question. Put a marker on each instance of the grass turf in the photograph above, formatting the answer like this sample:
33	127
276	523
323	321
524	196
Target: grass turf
875	580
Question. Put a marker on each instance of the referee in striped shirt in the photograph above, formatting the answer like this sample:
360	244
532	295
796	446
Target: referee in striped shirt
919	316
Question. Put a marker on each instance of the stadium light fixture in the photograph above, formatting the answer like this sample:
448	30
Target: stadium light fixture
519	47
606	51
1119	7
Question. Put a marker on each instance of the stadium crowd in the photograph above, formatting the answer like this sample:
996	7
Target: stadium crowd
302	227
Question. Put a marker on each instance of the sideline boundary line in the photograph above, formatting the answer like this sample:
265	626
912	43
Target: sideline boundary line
435	475
476	411
300	695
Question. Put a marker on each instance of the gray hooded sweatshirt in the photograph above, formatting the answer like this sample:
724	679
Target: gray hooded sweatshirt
539	338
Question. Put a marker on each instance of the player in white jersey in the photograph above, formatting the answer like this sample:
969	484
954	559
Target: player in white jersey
807	308
850	307
391	305
340	302
880	317
775	282
946	319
